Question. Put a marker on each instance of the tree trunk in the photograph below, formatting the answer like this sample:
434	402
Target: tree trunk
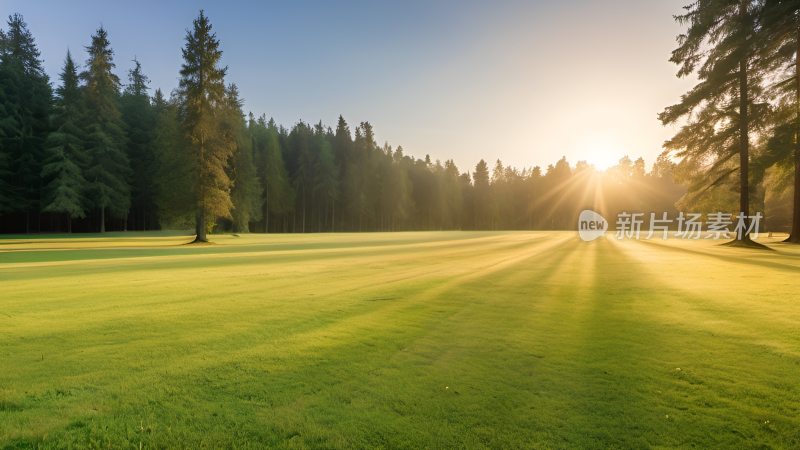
744	141
333	217
795	236
69	224
103	219
266	213
28	222
200	225
125	223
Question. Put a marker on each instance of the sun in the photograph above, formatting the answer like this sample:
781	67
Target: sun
602	155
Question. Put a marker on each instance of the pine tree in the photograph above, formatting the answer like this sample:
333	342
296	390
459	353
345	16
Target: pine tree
728	103
140	118
158	102
480	179
106	142
781	30
396	191
65	187
7	127
342	148
353	182
360	179
175	176
303	176
246	190
203	85
425	193
276	191
26	101
453	197
326	178
370	169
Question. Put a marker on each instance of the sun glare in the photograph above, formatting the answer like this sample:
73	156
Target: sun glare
602	156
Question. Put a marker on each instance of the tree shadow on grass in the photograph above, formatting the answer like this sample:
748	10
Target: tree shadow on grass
727	257
683	379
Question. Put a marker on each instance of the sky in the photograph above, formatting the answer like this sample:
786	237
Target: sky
526	82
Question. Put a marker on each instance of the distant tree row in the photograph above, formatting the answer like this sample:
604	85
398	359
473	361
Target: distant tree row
738	144
97	154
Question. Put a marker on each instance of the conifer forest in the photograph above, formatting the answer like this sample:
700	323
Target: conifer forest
100	149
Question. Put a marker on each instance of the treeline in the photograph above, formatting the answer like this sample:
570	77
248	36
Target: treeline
97	154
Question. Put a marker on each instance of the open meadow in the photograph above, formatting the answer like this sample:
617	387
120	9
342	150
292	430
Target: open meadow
397	340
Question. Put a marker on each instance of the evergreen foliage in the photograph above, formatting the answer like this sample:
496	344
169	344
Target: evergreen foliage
174	176
246	190
194	160
208	139
106	141
781	37
277	194
728	104
141	119
26	101
65	187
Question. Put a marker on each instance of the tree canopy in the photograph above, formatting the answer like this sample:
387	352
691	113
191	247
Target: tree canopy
96	153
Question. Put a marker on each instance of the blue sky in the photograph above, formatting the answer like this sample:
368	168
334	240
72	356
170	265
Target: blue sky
525	82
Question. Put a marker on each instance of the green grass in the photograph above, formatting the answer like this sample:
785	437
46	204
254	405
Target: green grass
404	340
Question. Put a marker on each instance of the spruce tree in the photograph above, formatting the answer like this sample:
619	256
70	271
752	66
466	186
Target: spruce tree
65	187
371	176
141	119
480	180
7	127
326	179
26	102
342	147
396	191
174	176
246	190
303	176
353	183
158	102
277	193
203	89
453	199
106	141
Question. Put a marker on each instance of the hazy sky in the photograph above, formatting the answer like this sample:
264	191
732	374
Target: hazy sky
523	81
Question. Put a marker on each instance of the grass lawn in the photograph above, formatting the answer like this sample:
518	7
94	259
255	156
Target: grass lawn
403	340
